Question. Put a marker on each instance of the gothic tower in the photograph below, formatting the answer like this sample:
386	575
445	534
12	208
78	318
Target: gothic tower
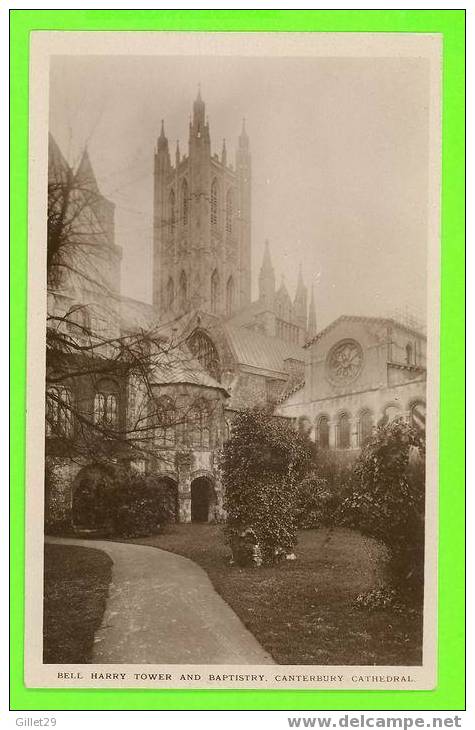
202	216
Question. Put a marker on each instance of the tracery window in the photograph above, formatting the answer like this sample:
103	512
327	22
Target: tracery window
184	202
229	211
343	431
198	425
214	291
230	296
323	432
166	422
204	350
59	418
214	203
106	405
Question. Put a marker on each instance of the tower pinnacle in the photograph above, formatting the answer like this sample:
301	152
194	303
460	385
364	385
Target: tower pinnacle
312	317
267	278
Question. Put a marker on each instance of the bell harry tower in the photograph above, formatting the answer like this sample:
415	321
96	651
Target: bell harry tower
202	224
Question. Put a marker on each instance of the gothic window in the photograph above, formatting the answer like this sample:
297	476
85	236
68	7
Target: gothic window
409	354
166	420
170	293
172	212
214	291
182	291
417	416
230	296
323	432
365	430
59	421
214	203
204	350
184	202
106	405
229	211
343	431
198	425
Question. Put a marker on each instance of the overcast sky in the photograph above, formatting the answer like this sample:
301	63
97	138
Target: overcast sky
339	162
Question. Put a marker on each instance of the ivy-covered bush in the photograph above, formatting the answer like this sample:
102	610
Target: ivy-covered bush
138	506
385	500
262	464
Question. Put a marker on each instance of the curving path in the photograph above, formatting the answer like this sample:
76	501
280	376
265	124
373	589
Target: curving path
163	609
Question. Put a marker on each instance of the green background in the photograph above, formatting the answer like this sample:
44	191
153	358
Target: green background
449	694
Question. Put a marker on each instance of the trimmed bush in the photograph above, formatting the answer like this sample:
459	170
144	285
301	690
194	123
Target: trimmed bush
385	500
262	465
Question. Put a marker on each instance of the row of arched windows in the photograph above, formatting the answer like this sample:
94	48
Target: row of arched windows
59	411
365	425
192	427
180	297
183	214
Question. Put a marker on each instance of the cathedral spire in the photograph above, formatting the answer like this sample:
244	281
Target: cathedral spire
224	153
162	140
243	137
177	153
312	318
198	112
267	278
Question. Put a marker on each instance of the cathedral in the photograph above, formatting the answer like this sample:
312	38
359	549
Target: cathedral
219	351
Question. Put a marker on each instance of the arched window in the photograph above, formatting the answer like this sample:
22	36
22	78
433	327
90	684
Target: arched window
365	427
182	292
59	418
198	425
184	202
323	432
106	405
166	421
214	291
229	211
230	296
172	211
409	354
417	416
343	431
170	293
204	350
214	203
390	412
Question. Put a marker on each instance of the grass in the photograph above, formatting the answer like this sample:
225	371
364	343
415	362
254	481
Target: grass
303	611
76	582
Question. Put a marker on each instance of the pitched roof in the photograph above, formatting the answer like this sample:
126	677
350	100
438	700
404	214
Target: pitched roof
261	351
369	320
177	366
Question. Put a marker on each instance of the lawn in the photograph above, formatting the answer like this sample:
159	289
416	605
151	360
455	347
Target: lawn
76	582
303	611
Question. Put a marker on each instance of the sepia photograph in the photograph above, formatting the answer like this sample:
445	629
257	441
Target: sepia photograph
233	318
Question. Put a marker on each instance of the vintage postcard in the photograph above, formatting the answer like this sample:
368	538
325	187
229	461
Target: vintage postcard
233	360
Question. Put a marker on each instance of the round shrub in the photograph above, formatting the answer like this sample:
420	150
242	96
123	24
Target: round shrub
262	464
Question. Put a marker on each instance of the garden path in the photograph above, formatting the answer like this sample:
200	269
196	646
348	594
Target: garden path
163	609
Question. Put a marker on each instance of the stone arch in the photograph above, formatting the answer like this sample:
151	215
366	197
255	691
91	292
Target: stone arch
365	425
322	434
343	429
417	414
390	411
203	496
